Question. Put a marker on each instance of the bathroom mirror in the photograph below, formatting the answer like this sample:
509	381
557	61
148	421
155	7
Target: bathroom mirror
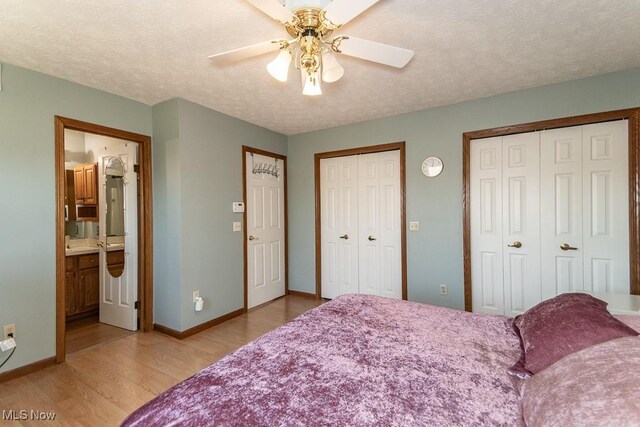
114	196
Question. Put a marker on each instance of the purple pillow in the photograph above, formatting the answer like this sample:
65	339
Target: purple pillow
563	325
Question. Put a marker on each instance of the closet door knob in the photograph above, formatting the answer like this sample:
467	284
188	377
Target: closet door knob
567	247
253	238
371	239
345	237
516	244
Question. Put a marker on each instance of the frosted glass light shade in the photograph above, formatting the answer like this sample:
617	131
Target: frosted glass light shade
279	67
331	70
311	84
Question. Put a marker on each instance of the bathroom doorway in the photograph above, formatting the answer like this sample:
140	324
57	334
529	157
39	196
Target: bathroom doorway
103	241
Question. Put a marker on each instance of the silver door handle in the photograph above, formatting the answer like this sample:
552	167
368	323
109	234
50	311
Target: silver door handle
516	244
345	237
371	239
253	238
567	247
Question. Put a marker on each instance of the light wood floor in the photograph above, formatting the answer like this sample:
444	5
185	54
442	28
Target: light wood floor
103	384
87	332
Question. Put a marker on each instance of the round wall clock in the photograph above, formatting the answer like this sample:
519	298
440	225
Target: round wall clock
432	166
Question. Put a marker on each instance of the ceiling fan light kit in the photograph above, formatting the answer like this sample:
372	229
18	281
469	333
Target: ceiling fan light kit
312	22
311	83
279	67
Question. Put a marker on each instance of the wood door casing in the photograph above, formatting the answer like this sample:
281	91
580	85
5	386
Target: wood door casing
145	226
632	114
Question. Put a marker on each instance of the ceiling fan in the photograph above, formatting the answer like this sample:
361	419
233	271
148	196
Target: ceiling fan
311	23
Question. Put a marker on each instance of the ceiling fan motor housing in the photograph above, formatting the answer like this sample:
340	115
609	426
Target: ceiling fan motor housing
296	4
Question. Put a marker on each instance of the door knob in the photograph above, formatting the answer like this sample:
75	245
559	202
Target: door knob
516	244
345	237
567	247
371	239
253	238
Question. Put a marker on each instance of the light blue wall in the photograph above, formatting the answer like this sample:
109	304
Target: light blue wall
197	174
28	103
208	179
167	208
435	252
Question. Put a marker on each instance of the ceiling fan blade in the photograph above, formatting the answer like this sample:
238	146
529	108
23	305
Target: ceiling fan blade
245	52
375	52
342	11
274	9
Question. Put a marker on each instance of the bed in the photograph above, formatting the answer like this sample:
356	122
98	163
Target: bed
357	360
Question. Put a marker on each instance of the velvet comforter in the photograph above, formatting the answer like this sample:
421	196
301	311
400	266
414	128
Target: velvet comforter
355	361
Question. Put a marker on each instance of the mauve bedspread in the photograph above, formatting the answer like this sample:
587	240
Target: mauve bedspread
355	361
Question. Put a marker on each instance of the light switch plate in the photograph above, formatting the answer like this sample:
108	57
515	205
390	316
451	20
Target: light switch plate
238	207
414	226
237	226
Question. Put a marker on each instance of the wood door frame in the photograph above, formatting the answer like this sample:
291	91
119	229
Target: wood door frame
145	223
631	114
245	150
403	204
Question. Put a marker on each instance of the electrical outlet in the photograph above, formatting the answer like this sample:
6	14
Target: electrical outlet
237	226
414	226
9	329
196	295
443	290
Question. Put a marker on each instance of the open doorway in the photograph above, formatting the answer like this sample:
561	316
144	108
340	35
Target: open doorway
104	280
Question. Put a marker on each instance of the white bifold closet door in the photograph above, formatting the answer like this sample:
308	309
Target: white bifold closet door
505	243
585	209
549	214
361	236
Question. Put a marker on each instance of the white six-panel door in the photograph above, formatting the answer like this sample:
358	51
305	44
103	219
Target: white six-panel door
505	223
549	214
118	295
265	232
605	204
587	209
561	210
521	221
339	202
360	224
486	225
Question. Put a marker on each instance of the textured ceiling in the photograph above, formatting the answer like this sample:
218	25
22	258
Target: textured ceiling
154	50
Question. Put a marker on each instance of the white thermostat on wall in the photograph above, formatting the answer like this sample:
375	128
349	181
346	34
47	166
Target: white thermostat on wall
432	166
238	206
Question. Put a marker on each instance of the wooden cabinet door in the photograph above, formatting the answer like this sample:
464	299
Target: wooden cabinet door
89	286
91	184
70	195
71	293
78	184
